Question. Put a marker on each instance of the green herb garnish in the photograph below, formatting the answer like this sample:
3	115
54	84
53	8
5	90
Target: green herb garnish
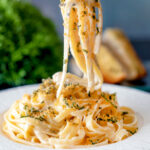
93	9
93	17
66	101
42	102
132	132
33	110
24	116
85	12
84	50
74	105
124	113
103	95
93	143
100	119
25	107
113	120
107	115
89	94
97	30
41	118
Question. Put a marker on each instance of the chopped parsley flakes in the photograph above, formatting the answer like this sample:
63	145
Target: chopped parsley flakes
124	113
132	132
108	100
73	105
94	142
84	50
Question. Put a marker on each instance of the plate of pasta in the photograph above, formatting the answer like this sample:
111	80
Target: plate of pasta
71	112
137	100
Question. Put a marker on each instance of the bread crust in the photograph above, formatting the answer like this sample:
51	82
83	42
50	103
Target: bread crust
123	50
110	67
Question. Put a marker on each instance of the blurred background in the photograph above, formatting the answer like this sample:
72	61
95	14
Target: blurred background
39	38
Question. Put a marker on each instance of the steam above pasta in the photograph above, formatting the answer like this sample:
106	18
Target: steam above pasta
67	111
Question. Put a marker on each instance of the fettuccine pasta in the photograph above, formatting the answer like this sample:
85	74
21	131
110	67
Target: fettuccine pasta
82	32
68	111
76	118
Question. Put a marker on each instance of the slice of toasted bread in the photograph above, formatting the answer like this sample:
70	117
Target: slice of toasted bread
110	67
124	51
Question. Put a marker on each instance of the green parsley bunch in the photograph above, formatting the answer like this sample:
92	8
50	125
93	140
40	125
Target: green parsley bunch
30	48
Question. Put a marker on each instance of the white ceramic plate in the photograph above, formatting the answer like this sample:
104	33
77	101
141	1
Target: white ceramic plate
139	101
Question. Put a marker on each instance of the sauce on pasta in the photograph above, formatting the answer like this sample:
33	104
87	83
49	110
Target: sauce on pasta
68	111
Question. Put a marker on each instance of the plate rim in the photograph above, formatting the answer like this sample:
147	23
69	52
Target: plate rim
115	146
